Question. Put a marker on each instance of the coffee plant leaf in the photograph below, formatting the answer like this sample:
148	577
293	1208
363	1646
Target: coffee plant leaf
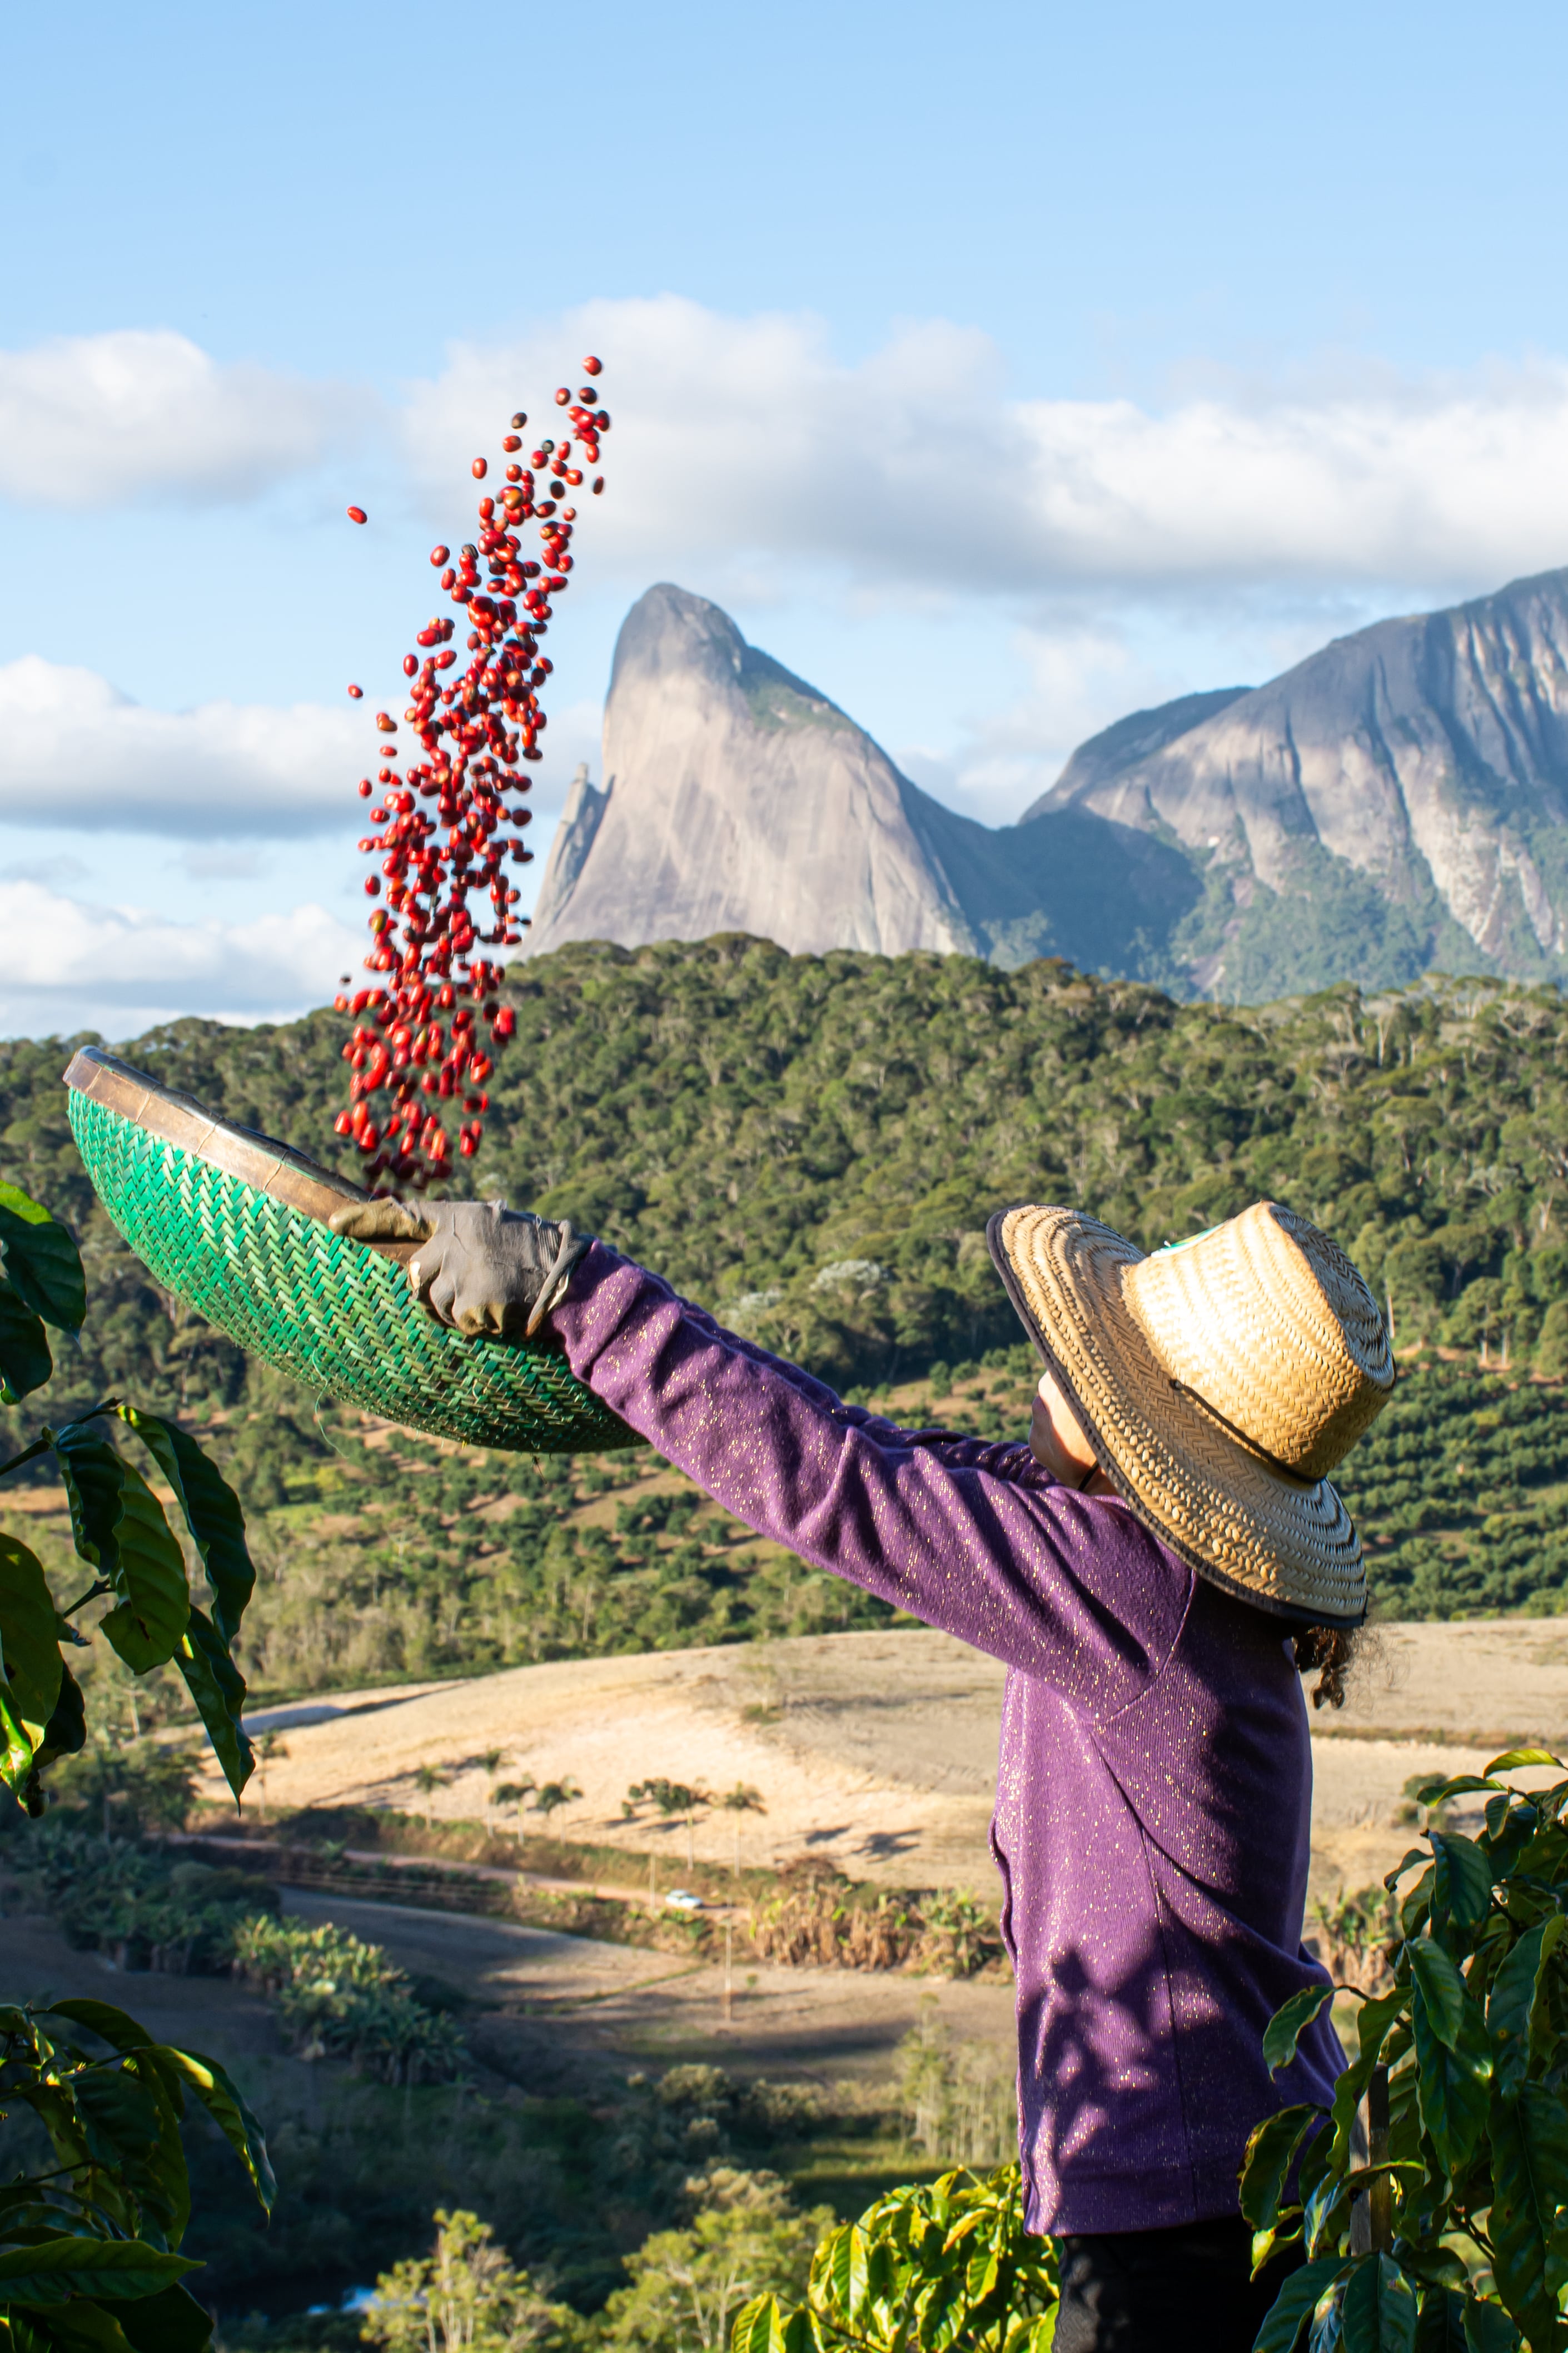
1514	1759
172	2322
30	1642
149	1575
212	1510
1514	2003
1441	1988
217	1687
57	2269
1270	2153
1379	2312
42	1261
1487	2328
64	1735
219	2096
1453	2077
1462	1881
1289	2023
1530	2183
25	1363
1295	2304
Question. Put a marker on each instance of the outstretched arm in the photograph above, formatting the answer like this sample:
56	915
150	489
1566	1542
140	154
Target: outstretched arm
975	1539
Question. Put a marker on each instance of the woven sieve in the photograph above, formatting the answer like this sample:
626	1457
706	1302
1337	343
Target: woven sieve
1218	1382
234	1225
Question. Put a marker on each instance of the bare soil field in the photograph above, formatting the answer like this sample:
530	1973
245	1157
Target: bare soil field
876	1750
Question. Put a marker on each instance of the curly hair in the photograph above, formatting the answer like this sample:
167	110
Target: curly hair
1329	1651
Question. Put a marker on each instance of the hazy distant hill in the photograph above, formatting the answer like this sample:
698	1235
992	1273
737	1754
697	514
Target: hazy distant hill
1398	801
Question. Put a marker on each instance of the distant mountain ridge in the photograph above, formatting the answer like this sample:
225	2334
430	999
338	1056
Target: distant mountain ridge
1397	801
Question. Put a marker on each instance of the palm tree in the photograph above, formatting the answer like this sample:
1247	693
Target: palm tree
673	1798
428	1780
741	1799
513	1793
553	1794
491	1759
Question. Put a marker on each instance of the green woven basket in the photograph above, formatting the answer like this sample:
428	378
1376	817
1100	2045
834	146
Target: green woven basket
234	1224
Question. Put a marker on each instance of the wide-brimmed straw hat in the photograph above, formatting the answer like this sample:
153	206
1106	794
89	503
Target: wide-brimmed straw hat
1218	1381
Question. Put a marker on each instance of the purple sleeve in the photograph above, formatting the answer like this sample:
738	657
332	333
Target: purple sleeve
975	1539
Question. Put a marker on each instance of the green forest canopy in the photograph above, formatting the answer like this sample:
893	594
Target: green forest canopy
811	1145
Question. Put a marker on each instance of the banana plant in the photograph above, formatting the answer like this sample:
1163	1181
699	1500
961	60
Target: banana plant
929	2265
1463	2066
120	1530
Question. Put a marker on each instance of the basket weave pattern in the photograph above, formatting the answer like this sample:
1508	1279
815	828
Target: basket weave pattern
332	1314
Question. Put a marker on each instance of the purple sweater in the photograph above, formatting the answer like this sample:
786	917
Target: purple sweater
1155	1777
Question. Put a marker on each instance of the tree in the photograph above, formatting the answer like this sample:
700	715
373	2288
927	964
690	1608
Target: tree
553	1794
513	1793
947	2263
268	1744
119	1529
747	2238
428	1780
466	2296
672	1798
490	1761
741	1799
1463	2064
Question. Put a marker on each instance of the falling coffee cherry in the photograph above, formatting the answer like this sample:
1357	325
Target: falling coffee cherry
357	693
358	514
445	834
591	366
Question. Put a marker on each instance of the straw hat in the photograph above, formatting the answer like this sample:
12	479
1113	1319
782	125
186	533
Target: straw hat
1219	1381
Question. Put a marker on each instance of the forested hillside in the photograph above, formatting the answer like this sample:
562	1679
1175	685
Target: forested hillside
811	1147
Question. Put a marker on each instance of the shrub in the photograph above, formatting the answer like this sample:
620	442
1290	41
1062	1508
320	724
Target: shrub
337	1997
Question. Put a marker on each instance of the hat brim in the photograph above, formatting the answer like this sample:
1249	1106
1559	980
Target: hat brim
1285	1544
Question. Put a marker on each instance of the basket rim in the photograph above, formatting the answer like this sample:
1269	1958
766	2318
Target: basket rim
257	1160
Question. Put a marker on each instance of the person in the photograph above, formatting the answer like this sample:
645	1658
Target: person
1152	1567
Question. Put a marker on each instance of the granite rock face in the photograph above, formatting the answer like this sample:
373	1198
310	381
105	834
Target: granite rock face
1426	757
1398	800
737	798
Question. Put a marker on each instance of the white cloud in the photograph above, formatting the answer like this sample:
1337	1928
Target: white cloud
70	965
742	446
146	414
75	751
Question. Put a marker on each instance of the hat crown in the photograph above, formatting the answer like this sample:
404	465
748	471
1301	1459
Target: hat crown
1267	1325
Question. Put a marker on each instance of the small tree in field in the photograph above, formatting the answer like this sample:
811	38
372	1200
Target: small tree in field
553	1794
673	1799
428	1780
741	1799
513	1793
465	2296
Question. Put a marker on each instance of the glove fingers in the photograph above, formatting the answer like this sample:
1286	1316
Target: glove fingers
440	1297
381	1221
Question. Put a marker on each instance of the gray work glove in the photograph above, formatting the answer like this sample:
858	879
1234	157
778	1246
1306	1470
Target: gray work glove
481	1267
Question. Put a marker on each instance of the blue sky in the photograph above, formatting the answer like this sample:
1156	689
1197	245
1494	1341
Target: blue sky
999	372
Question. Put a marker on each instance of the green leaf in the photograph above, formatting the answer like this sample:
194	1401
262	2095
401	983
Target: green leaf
217	1687
1513	1758
1441	1988
1487	2328
1270	2154
758	2327
1529	2182
57	2269
848	2280
212	1512
1289	2312
15	1747
29	1645
173	2322
1378	2314
1441	2327
221	2098
1513	2004
93	1474
65	1731
25	1363
120	2115
1454	2064
82	2327
1462	1889
1288	2025
149	1574
42	1261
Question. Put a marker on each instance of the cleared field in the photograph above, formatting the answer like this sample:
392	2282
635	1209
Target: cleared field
876	1749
